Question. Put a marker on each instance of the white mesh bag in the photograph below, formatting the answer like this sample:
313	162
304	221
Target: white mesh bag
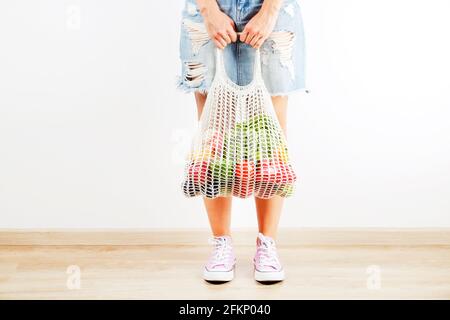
240	149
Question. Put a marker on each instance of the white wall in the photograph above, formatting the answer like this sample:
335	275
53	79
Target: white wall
93	131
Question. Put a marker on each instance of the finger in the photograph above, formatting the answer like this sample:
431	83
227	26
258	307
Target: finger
250	37
255	39
233	35
231	32
233	26
244	35
225	37
219	39
218	44
259	43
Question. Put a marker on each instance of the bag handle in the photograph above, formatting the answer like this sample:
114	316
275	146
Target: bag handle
220	65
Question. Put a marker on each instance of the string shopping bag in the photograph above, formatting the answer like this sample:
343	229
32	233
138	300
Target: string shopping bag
239	149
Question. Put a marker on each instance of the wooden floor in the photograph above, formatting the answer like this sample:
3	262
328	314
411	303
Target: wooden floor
144	264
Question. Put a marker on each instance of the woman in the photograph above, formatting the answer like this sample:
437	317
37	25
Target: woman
238	27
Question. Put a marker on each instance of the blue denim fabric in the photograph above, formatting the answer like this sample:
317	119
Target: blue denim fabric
283	71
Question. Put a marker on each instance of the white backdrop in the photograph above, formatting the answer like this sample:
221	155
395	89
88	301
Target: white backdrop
93	131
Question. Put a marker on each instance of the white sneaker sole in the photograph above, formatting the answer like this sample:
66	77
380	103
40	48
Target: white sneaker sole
269	276
218	275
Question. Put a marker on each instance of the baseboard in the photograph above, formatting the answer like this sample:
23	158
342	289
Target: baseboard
288	236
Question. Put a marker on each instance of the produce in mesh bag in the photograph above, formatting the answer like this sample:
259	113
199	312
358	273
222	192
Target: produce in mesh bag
240	148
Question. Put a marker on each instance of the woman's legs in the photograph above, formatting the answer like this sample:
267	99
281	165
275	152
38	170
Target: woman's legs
269	210
219	215
218	209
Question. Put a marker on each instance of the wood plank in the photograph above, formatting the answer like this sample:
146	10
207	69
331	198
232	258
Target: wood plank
174	272
298	236
319	263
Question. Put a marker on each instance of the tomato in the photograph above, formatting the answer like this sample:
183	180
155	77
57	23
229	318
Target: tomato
197	171
274	170
244	183
245	170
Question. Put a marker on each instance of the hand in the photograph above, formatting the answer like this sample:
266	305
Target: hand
220	27
259	28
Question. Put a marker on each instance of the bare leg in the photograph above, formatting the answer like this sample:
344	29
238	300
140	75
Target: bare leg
269	210
218	209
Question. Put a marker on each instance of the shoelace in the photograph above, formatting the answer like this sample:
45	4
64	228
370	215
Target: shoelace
221	252
268	254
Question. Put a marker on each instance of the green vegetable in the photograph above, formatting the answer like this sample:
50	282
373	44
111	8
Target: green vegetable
221	170
286	190
261	129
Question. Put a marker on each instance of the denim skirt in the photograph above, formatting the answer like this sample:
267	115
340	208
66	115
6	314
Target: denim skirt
282	54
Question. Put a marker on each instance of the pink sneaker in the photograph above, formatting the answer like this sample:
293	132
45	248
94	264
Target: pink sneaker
220	266
267	264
